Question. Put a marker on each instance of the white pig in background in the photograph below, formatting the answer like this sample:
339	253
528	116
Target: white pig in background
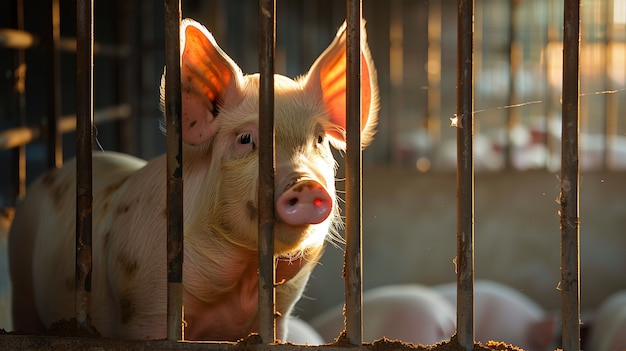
410	313
504	314
608	330
220	134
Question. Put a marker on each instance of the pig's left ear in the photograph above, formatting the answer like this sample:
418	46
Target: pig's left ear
209	80
327	80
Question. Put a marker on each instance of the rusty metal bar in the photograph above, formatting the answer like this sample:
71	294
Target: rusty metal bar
173	115
353	270
55	151
19	89
465	174
513	114
570	178
267	165
84	143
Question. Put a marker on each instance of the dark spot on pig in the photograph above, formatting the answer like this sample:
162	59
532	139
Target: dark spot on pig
226	226
298	188
49	178
127	308
124	208
106	241
111	188
129	265
192	124
251	210
59	190
189	79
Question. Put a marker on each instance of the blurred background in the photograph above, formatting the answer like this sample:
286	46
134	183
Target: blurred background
409	209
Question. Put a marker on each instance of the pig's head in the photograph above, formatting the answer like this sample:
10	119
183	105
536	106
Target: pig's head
220	108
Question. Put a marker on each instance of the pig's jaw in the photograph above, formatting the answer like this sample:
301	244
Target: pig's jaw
230	317
223	304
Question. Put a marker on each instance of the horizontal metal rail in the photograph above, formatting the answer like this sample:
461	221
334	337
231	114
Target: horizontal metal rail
16	39
15	137
21	39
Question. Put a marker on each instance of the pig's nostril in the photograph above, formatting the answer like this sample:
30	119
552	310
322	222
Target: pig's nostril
293	201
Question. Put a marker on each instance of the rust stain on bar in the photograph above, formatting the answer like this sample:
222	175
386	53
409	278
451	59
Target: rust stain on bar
267	48
353	260
570	179
84	143
173	113
465	175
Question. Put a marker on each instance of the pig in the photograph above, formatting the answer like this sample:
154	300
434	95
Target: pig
407	312
608	330
302	333
504	314
220	168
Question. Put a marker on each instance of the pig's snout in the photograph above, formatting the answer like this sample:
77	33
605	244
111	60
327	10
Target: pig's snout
306	202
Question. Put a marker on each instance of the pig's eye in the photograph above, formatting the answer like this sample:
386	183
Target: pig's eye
246	138
320	138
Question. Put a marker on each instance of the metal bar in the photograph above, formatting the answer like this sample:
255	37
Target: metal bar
16	39
84	143
19	154
267	165
15	137
570	179
173	115
354	174
465	175
513	114
55	151
16	342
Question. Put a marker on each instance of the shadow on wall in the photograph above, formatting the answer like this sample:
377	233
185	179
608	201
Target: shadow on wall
409	235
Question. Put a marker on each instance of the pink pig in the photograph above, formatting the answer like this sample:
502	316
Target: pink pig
220	133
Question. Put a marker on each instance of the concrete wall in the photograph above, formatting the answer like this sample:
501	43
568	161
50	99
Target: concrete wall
409	235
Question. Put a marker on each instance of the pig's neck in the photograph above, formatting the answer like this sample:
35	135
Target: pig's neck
220	291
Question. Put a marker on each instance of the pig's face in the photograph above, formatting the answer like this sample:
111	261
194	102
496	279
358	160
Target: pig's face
220	129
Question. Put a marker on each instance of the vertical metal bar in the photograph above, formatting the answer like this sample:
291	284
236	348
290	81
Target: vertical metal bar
84	143
173	113
267	165
570	179
610	100
55	152
19	153
354	174
512	113
465	175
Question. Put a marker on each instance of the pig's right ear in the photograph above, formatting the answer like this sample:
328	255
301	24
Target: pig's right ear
209	79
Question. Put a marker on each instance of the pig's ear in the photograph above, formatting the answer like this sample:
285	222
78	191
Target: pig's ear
209	79
327	80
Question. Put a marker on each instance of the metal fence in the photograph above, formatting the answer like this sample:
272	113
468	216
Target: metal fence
464	118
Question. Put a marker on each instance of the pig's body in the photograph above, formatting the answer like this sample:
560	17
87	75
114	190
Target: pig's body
608	330
220	167
411	313
504	314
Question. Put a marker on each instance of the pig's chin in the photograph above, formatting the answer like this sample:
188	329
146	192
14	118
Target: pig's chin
292	241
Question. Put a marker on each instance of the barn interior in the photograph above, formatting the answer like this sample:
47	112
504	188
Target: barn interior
409	172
